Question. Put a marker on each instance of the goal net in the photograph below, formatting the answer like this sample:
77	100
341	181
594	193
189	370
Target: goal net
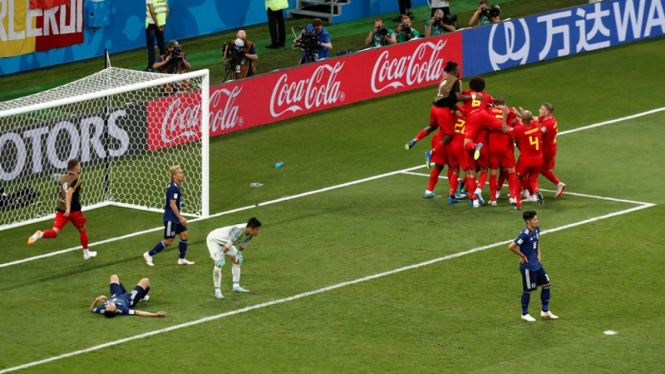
126	127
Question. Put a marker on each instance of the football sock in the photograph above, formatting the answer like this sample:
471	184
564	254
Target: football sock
454	182
146	291
49	234
433	178
512	185
502	179
545	298
158	248
470	146
83	235
482	179
526	296
471	186
182	247
217	277
493	187
527	186
550	176
235	270
421	135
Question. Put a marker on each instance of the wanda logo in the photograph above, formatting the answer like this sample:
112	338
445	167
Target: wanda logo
321	89
425	64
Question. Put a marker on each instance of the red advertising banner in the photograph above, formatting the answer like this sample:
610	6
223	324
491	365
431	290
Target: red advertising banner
308	88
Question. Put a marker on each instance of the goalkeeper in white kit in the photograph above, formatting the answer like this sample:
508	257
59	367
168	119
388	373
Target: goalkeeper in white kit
223	242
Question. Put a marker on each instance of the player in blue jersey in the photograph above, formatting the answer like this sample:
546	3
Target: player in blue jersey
174	222
121	302
527	246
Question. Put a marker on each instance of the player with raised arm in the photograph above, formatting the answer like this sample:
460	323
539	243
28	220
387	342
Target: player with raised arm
501	152
448	94
528	137
230	241
550	128
69	209
174	222
527	246
121	302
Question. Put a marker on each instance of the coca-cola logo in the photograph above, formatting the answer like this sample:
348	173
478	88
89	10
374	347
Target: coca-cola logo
321	89
181	121
424	65
225	118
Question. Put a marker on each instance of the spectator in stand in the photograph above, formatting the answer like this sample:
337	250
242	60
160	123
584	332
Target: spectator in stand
483	15
380	35
275	9
404	8
438	24
444	5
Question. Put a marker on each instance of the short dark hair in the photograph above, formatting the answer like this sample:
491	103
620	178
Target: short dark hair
404	17
109	313
316	22
253	223
72	164
450	66
477	84
483	2
549	107
499	100
528	215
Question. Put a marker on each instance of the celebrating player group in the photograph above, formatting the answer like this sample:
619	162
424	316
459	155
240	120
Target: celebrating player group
480	135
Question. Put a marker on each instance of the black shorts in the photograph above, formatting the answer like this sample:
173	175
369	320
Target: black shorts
171	229
117	289
532	279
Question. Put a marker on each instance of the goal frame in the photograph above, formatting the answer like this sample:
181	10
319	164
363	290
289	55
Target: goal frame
203	74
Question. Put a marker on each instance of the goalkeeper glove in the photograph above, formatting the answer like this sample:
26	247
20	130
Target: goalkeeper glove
410	144
239	257
219	263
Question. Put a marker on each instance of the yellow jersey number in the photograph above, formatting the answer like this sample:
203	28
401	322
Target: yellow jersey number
459	126
535	141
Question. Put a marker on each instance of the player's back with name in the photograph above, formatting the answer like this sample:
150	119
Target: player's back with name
68	181
172	193
529	143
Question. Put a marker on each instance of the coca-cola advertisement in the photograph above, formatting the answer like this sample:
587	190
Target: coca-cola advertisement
304	89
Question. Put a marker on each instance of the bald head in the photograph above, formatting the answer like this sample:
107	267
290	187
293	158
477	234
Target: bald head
527	117
241	35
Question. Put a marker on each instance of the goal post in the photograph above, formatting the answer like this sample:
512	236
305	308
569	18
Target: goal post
126	127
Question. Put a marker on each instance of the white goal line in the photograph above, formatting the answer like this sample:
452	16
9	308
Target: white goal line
310	293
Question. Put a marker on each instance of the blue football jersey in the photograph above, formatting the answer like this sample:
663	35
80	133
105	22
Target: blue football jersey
528	243
121	303
172	193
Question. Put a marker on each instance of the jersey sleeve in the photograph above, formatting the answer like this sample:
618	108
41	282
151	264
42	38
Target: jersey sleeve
173	192
520	239
99	310
325	38
246	242
517	131
233	236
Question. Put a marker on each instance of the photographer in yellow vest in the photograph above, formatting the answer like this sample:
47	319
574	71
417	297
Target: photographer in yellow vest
156	12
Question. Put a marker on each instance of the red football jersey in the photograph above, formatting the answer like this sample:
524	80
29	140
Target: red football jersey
529	138
498	141
473	105
550	129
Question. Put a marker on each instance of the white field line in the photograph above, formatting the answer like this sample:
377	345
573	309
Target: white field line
300	195
110	240
566	193
309	293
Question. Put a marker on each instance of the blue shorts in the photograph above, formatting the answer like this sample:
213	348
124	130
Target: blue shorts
137	293
171	229
531	279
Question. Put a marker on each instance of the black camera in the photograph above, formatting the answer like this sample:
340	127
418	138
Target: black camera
309	41
485	11
450	19
234	53
382	30
495	11
406	28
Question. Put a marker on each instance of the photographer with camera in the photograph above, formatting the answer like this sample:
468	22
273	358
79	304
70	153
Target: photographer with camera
404	30
440	24
314	41
239	56
485	15
174	61
380	35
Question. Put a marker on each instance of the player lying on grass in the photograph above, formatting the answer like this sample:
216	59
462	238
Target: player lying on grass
122	302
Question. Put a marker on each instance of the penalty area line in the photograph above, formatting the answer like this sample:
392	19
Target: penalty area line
309	293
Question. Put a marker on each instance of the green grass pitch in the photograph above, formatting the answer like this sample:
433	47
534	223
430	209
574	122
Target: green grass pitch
459	314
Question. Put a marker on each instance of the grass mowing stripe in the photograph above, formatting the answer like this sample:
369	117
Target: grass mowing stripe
117	238
314	292
567	193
